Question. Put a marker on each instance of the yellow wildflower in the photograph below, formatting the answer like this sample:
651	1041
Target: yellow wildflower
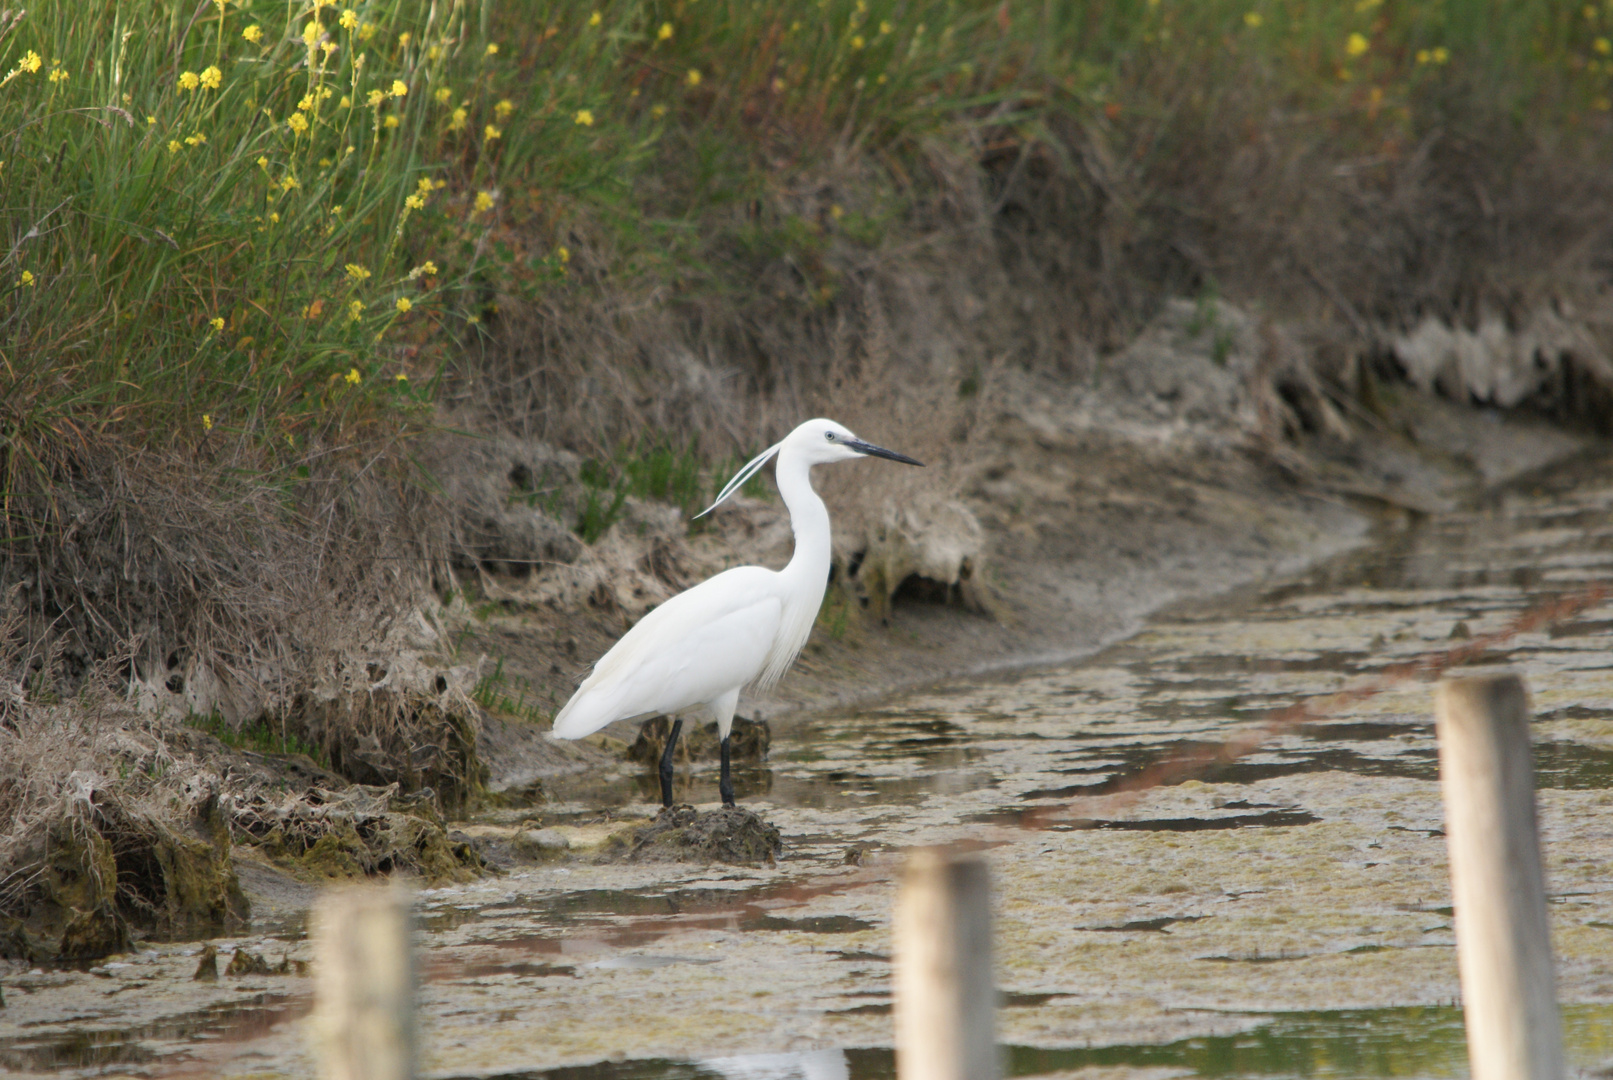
594	19
297	123
489	133
346	102
399	88
664	33
306	104
658	111
207	421
348	20
414	202
254	34
434	52
1441	54
151	121
425	269
30	62
189	80
353	377
1602	46
424	186
404	305
492	48
484	201
274	219
1252	19
289	184
336	211
1423	56
26	281
457	121
563	253
857	41
216	323
355	310
1356	44
311	32
356	272
212	77
57	75
263	162
404	39
885	26
174	145
375	98
402	378
195	140
390	122
504	108
585	117
328	48
693	78
442	95
366	31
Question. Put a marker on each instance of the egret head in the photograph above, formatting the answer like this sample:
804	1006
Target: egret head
824	441
819	442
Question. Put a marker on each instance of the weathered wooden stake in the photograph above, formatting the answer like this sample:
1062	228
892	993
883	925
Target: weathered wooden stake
364	985
1503	942
945	993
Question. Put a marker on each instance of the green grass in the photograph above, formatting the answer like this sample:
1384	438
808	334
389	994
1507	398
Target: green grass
259	735
212	231
498	693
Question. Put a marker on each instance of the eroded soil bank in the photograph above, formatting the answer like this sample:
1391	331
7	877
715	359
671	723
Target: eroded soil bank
1285	916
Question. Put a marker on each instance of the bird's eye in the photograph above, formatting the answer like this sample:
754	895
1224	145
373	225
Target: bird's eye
829	435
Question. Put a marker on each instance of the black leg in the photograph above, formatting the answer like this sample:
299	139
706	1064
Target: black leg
666	761
725	786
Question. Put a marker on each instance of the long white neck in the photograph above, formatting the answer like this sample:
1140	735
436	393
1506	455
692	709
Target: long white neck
809	519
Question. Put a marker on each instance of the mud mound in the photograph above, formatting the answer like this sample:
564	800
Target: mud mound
355	832
749	741
684	834
101	872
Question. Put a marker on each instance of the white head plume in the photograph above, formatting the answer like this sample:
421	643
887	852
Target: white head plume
741	476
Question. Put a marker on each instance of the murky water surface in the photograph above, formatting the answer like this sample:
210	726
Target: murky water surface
1284	915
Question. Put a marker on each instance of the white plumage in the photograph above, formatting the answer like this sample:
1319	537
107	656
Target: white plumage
743	627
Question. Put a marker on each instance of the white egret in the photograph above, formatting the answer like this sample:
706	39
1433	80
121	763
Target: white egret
694	653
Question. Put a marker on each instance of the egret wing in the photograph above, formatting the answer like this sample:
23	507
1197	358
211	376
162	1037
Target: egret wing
698	645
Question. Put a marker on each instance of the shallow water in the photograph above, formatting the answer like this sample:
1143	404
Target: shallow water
1285	914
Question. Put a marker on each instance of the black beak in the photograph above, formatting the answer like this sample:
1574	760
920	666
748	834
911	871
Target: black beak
879	451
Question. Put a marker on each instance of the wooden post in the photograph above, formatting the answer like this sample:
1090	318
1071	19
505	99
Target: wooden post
364	985
945	993
1503	942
